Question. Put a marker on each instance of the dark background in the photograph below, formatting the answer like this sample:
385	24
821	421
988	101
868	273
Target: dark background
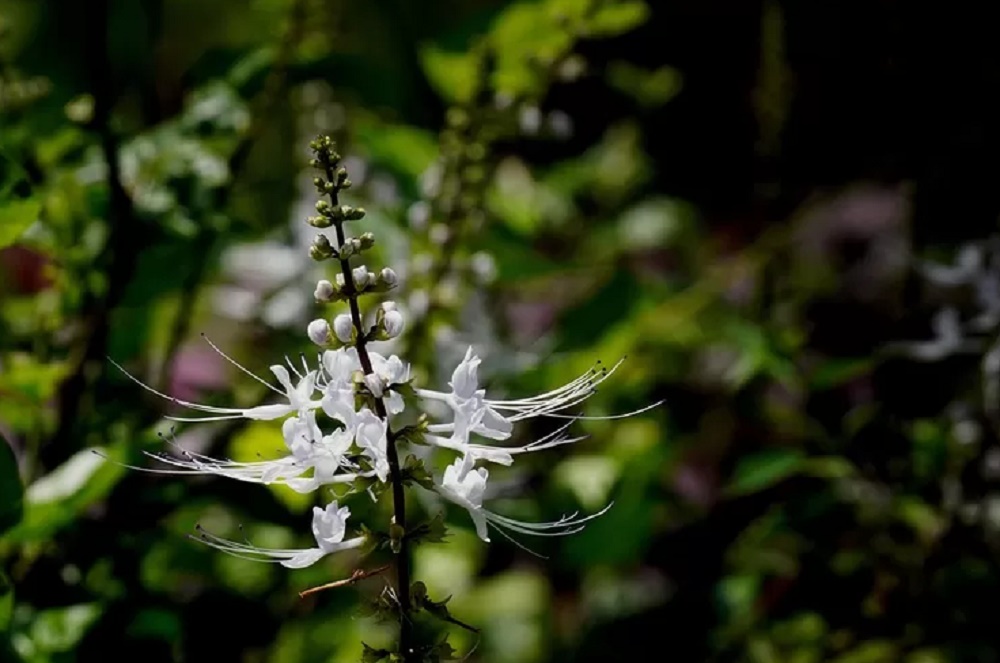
745	206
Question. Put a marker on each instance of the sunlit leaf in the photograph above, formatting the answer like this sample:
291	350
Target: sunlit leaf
617	17
60	629
55	500
453	74
15	217
405	150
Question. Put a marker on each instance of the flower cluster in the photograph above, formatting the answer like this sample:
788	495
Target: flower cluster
355	445
343	417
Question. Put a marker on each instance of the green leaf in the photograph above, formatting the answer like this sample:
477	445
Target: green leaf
442	651
15	217
53	502
407	151
452	75
439	609
6	602
613	19
835	372
764	469
11	489
433	531
60	629
372	655
415	472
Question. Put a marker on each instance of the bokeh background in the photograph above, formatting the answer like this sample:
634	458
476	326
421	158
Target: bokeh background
782	212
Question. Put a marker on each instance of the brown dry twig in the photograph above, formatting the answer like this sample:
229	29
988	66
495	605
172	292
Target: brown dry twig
359	574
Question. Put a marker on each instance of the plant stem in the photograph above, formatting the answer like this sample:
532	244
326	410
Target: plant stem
395	476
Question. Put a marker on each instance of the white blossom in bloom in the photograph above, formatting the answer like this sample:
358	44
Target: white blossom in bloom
319	331
372	439
329	527
466	487
309	450
391	371
476	414
299	396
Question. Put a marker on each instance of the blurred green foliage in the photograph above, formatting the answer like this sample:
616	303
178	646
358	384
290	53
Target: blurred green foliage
736	198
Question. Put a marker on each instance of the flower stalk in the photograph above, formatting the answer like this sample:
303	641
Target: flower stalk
327	158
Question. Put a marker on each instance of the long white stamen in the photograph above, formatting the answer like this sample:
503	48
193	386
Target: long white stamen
178	401
294	369
241	367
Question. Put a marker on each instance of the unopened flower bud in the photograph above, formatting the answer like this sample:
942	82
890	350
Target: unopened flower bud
321	248
388	277
392	324
352	213
319	332
367	240
343	328
360	276
324	291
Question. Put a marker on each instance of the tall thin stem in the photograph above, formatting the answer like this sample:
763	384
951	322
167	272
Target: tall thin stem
395	475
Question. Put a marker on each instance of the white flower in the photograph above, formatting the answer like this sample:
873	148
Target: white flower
464	384
329	526
298	396
371	439
474	413
301	434
308	449
390	371
326	459
467	487
343	327
319	331
500	455
374	384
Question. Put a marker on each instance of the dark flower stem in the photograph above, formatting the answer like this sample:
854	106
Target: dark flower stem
395	476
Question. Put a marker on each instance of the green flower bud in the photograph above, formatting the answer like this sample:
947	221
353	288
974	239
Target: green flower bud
319	222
